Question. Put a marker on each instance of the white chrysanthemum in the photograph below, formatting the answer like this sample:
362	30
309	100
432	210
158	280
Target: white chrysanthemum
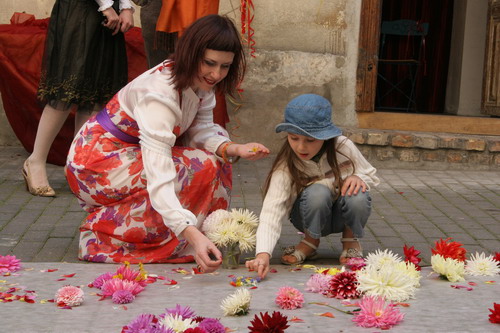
237	304
212	221
480	264
178	324
411	270
451	269
380	258
224	234
246	238
389	281
245	217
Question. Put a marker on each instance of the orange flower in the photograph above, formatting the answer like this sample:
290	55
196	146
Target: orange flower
453	250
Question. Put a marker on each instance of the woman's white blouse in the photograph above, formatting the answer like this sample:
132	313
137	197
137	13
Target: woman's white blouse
153	102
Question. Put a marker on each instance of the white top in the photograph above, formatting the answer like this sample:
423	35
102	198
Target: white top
105	4
281	195
153	102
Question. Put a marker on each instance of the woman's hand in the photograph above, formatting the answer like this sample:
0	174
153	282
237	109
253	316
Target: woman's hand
352	185
207	255
252	151
112	20
126	20
260	264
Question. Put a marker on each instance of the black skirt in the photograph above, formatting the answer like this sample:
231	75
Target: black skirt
83	63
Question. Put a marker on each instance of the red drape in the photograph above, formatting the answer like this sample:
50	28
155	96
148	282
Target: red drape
432	76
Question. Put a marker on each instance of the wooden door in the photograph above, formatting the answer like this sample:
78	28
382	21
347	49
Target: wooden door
491	81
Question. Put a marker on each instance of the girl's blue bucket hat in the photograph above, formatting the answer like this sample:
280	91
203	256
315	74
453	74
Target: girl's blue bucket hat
309	115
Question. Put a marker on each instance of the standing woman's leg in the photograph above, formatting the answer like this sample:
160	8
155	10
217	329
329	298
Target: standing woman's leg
34	169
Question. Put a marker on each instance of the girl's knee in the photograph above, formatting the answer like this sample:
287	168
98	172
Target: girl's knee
359	201
317	195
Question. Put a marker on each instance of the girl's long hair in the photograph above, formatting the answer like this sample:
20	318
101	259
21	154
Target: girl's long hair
213	32
290	160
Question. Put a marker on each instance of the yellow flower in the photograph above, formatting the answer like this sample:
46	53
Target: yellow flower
448	268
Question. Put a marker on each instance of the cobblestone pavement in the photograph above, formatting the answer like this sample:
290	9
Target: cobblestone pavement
411	207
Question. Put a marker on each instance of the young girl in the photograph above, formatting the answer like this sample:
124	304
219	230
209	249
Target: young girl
84	65
319	181
147	196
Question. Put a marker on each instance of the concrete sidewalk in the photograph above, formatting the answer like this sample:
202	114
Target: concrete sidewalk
410	207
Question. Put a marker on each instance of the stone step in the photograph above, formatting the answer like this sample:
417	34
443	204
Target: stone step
426	150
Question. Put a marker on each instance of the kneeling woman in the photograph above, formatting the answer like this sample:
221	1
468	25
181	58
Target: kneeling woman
146	196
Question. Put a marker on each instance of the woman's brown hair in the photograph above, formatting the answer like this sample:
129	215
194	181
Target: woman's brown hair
289	159
213	32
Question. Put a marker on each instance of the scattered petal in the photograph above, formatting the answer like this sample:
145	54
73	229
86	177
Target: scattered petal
296	320
325	314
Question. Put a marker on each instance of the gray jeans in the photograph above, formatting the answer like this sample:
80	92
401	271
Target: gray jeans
316	213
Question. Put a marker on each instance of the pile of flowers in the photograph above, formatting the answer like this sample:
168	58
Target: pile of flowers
9	264
225	228
173	320
123	285
448	260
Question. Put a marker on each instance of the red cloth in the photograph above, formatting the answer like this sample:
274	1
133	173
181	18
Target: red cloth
21	50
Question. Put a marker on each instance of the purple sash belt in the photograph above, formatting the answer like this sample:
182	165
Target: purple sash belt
106	123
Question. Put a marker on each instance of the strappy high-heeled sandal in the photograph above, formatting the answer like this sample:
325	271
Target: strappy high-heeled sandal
299	255
41	191
350	252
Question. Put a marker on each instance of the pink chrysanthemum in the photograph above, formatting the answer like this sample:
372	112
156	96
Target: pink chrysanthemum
355	264
69	296
111	286
212	325
127	273
9	264
342	286
122	297
289	298
318	283
376	313
101	279
184	311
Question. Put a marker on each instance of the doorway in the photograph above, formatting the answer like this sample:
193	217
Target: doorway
414	78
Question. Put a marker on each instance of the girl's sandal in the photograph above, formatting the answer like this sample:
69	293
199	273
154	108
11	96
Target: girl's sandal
301	256
351	252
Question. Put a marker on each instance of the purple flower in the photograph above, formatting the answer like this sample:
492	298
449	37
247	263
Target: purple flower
184	311
212	325
146	323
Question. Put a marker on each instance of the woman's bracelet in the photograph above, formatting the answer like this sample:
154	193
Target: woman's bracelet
224	154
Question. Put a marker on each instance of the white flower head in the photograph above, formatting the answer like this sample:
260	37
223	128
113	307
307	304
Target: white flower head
214	219
380	258
411	270
449	268
244	217
480	264
237	304
389	281
178	324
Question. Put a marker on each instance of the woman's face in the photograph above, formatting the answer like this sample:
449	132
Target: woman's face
304	147
213	69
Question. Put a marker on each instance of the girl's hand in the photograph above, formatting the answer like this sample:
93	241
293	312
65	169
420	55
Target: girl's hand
126	20
252	151
112	20
260	264
207	255
352	185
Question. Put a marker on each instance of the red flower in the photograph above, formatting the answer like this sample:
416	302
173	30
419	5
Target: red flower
343	285
497	258
195	330
453	250
276	323
495	314
411	255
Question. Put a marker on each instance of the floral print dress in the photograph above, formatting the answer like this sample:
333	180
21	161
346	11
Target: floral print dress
141	196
